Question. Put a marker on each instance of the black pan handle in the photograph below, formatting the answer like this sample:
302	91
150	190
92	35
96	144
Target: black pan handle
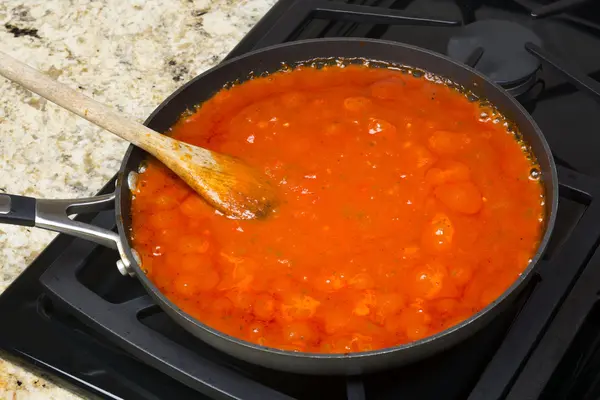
53	215
17	210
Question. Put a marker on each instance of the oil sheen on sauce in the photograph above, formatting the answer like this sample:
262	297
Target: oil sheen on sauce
404	210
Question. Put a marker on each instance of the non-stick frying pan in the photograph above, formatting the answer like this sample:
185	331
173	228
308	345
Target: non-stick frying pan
52	214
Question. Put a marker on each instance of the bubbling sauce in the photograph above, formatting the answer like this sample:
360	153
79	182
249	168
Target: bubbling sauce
405	209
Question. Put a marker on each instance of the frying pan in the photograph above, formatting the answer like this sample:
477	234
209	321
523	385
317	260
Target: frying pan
52	214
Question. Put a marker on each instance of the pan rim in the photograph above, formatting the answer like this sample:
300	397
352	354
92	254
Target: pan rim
550	181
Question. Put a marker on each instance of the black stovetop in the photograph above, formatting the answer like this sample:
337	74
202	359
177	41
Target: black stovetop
73	316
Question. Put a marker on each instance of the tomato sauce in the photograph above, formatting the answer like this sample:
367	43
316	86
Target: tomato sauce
405	208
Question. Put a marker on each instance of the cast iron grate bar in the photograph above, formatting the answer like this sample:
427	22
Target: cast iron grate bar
539	12
375	31
467	10
373	15
321	9
556	341
474	57
557	7
595	27
317	28
380	30
572	73
557	275
355	389
560	161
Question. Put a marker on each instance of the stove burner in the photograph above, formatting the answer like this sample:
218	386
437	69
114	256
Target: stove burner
497	49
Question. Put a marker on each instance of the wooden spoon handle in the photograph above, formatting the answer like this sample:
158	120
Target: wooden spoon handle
79	103
228	184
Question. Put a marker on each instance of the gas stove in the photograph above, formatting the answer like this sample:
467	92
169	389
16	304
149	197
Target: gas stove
72	315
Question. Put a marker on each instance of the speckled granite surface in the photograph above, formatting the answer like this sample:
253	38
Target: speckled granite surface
128	54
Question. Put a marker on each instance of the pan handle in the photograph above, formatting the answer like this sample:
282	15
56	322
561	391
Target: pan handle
53	215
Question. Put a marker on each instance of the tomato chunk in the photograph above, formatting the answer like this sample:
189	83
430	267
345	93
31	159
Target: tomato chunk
463	197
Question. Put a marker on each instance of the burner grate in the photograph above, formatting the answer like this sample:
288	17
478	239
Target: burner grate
290	23
577	78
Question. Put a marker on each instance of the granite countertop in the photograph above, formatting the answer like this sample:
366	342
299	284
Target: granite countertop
128	54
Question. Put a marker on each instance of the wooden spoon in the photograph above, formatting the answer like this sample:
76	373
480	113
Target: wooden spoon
225	182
